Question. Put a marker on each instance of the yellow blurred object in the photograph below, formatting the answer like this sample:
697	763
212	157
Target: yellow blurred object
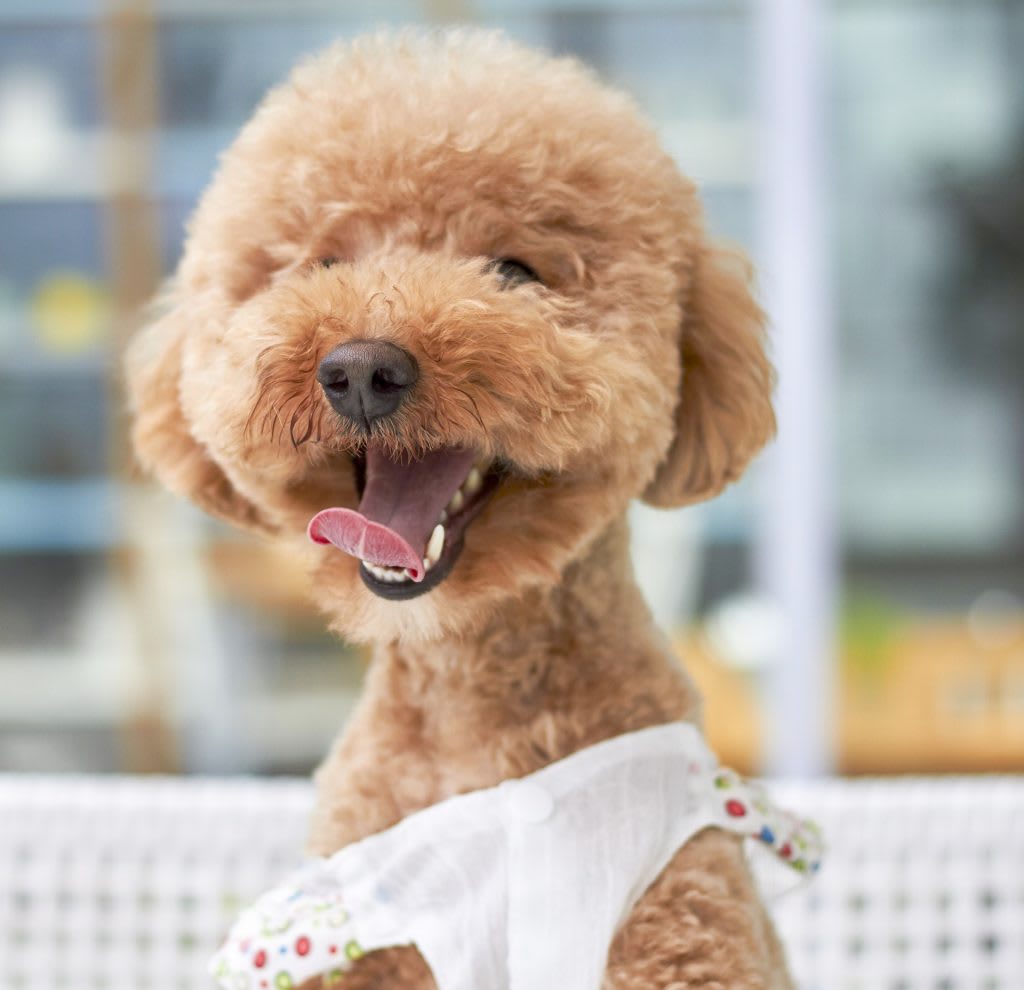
70	312
732	720
944	702
937	699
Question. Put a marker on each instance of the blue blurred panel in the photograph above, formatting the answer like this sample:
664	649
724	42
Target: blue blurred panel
39	236
214	73
685	65
13	12
173	215
70	515
210	84
926	204
532	29
186	159
691	8
731	214
66	53
53	425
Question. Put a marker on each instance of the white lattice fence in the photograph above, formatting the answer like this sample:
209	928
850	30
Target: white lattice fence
127	884
923	888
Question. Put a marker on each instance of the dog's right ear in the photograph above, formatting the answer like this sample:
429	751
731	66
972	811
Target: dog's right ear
724	414
164	444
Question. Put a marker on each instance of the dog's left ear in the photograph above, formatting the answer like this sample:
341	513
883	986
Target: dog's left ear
161	435
724	413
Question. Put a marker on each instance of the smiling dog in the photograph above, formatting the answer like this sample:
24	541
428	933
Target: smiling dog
447	308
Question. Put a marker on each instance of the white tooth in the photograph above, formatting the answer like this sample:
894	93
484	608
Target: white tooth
382	572
473	482
436	544
443	518
457	502
427	564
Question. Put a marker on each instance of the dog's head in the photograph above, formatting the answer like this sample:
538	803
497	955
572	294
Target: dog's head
447	282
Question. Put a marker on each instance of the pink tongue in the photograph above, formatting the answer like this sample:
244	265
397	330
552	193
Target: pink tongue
399	509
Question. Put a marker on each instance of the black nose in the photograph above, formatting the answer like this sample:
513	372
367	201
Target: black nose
365	380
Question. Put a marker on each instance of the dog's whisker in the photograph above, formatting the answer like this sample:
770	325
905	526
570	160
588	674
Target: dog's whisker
426	350
247	429
296	417
472	402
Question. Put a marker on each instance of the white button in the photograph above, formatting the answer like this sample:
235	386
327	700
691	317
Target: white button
527	801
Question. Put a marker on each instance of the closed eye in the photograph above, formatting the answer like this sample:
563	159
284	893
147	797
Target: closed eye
513	272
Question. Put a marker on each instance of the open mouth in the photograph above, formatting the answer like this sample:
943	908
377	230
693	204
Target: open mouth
408	530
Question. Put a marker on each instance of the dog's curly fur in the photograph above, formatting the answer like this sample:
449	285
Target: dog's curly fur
634	368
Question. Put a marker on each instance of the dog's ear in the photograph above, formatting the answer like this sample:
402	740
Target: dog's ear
724	413
164	444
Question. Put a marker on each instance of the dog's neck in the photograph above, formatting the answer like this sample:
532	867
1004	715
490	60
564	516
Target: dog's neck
552	672
585	651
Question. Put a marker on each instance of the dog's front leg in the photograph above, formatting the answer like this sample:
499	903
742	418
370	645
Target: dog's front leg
699	924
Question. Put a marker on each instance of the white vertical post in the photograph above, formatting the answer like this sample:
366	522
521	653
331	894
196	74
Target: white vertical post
797	549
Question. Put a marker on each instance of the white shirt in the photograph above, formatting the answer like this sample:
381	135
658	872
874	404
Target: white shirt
518	887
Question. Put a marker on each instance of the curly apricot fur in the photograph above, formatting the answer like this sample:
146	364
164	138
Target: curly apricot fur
634	369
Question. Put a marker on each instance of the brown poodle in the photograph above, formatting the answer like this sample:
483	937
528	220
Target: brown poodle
450	300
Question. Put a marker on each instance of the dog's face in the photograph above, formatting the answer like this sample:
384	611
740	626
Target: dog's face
448	307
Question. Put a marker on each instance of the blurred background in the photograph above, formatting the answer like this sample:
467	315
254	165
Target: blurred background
855	605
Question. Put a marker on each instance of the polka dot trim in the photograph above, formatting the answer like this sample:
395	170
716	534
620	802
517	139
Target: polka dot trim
255	955
742	806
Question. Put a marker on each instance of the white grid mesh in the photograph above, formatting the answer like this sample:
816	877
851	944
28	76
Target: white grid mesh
922	887
127	884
